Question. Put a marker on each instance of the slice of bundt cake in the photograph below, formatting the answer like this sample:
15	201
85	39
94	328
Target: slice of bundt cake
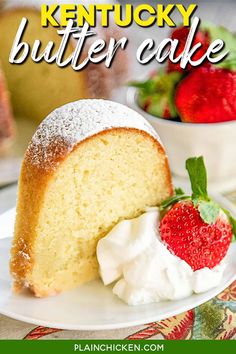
89	165
6	118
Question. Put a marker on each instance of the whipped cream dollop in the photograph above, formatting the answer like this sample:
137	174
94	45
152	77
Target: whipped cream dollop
133	255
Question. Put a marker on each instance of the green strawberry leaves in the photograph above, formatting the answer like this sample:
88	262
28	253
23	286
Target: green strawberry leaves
179	191
147	86
198	177
229	38
179	195
156	95
208	209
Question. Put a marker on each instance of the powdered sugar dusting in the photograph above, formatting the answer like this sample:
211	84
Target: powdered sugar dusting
70	124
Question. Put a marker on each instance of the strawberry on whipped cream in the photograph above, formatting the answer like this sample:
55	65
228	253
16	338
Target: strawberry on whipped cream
134	256
169	259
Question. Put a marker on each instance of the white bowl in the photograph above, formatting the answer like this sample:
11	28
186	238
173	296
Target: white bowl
215	141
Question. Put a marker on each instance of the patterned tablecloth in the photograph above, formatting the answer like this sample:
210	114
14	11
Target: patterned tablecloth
216	319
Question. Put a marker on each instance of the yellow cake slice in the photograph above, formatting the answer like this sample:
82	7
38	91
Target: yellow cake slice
90	164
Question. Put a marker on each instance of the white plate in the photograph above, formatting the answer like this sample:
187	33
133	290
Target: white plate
92	306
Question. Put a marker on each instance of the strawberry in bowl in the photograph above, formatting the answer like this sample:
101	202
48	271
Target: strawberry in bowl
181	34
207	95
194	110
156	95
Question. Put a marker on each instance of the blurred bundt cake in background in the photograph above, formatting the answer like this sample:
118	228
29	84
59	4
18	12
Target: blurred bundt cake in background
6	118
38	88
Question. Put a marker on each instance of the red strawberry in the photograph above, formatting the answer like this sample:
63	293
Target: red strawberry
190	238
181	34
195	228
207	95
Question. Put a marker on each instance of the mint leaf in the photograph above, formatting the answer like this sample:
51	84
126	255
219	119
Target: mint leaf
209	211
198	177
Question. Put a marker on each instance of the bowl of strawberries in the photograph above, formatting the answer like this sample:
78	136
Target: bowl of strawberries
194	110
